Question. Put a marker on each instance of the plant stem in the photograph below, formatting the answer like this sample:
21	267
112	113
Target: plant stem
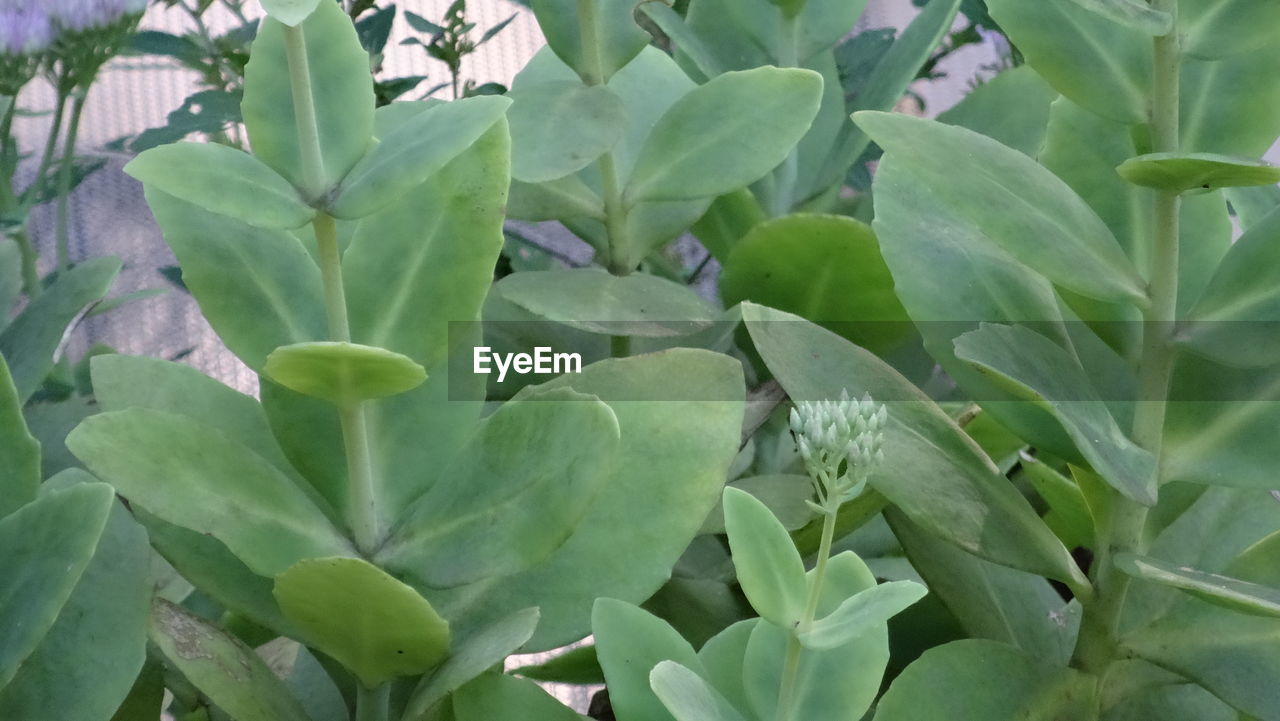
791	663
32	192
65	173
372	704
1123	526
27	254
362	511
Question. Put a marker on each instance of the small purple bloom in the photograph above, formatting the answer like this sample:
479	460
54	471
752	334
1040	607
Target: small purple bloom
25	27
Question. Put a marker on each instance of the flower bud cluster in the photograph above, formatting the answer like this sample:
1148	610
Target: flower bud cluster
841	444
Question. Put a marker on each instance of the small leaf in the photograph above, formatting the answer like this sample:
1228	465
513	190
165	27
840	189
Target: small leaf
1038	369
860	613
617	36
560	127
1216	29
726	134
343	373
629	641
770	569
498	696
1135	14
414	151
19	450
225	181
687	696
290	12
1041	222
372	624
1243	596
221	666
471	657
1197	171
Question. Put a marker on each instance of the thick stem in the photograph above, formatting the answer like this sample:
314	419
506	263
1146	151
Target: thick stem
335	295
373	704
65	175
304	112
791	663
32	192
1123	527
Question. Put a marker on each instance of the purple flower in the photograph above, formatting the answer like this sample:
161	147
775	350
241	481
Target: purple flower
80	15
25	27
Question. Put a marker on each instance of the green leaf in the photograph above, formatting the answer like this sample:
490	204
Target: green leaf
225	181
988	680
30	343
824	268
1218	28
1134	14
561	127
195	476
722	657
1232	593
618	39
629	643
1235	320
688	697
688	43
86	664
495	696
1234	655
1043	372
341	89
531	501
1231	106
991	601
680	412
229	673
860	612
933	472
1251	205
567	198
343	373
578	666
598	302
1042	222
725	134
838	684
374	625
889	81
1100	64
1066	502
237	271
1012	108
20	456
471	657
769	567
10	280
786	496
289	12
48	545
1181	172
414	150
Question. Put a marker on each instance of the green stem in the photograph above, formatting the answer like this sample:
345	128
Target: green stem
29	257
65	175
373	704
1123	527
32	192
363	513
785	176
791	663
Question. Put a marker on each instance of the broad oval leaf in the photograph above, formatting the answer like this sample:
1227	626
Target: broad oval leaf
1100	64
561	127
933	471
193	475
225	181
688	696
1232	593
413	151
343	373
374	625
725	134
470	657
1135	14
617	37
990	681
341	93
225	670
1047	374
826	268
501	506
1214	29
48	544
289	12
598	302
1014	201
769	568
1181	172
629	643
860	613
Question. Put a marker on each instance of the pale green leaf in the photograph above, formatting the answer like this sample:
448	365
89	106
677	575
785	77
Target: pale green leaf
1136	14
629	643
19	450
1218	28
289	12
561	127
495	696
1232	593
769	568
687	696
860	612
343	373
1181	172
612	26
